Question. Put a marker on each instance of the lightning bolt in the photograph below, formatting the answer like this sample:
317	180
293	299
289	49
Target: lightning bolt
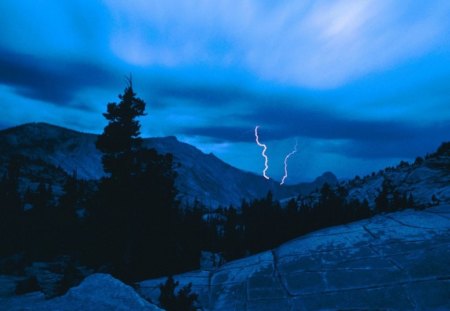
285	163
263	153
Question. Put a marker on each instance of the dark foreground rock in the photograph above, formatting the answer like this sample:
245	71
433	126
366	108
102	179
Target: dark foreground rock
392	261
96	293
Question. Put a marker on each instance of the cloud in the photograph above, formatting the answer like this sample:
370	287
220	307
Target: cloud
349	77
355	138
284	122
52	80
55	28
409	148
203	94
427	101
220	133
314	44
327	128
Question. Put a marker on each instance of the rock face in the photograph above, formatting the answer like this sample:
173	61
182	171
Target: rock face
391	261
428	181
96	293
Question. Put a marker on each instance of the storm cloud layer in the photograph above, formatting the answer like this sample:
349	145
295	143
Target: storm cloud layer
361	85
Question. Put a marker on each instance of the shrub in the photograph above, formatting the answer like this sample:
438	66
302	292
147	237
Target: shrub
169	300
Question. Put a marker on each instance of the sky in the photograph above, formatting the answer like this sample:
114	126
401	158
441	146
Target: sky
360	85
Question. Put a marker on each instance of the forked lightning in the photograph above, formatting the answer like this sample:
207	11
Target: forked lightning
263	153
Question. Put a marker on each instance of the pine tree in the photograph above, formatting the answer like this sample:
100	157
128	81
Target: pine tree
42	198
410	203
66	218
382	202
121	137
71	195
11	209
135	208
232	237
41	224
169	300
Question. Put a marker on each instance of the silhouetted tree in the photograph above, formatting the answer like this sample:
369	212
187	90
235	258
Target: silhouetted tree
382	202
444	149
410	203
232	235
41	227
418	161
135	210
291	220
11	209
71	197
66	218
170	300
120	139
42	198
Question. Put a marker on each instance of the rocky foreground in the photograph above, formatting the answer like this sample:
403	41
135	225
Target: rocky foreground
391	261
97	292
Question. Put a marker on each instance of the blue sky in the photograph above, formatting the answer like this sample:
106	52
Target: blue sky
359	84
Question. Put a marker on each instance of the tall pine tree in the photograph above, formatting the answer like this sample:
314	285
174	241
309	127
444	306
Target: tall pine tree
135	206
121	137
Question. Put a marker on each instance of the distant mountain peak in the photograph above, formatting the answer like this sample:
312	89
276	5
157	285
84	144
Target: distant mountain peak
39	127
327	177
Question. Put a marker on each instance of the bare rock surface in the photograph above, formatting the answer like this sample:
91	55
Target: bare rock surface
428	182
391	261
96	293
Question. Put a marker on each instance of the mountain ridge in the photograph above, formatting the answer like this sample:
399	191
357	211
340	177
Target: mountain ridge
202	177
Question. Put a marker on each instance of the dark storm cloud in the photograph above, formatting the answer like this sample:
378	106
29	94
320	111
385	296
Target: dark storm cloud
203	94
287	122
216	71
281	123
359	138
55	81
220	133
219	94
417	146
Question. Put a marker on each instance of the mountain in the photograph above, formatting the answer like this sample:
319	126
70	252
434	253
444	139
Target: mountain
396	261
427	180
54	151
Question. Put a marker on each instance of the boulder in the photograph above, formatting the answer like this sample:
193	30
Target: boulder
96	293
